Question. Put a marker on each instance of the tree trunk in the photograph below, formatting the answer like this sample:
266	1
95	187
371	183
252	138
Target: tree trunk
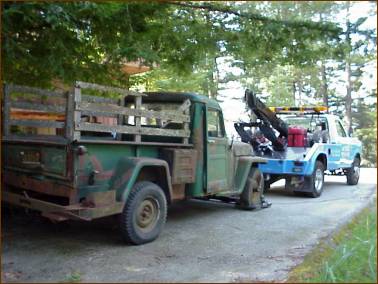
324	84
216	77
348	71
348	97
300	92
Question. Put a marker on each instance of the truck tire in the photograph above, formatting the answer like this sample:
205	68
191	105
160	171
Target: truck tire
312	185
353	173
251	196
315	182
144	214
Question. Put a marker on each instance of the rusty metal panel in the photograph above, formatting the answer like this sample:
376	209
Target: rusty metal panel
178	192
50	187
197	188
182	163
37	159
98	199
59	212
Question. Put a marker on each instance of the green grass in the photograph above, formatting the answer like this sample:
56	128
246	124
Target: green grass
74	277
349	256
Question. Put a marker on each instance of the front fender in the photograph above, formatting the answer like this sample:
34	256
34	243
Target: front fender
127	172
242	170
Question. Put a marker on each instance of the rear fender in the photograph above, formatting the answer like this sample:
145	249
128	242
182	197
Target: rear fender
243	167
131	170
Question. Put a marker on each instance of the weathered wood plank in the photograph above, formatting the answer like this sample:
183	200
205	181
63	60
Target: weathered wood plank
94	99
103	141
102	88
175	116
36	91
35	115
186	129
41	107
37	123
37	138
85	126
138	105
96	113
70	108
185	107
6	111
120	119
77	113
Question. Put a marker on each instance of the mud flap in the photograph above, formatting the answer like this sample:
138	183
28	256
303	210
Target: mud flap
298	184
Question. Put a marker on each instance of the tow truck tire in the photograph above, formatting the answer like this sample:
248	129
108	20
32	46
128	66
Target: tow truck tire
144	214
315	182
353	173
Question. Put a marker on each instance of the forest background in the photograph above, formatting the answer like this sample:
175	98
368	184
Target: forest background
290	53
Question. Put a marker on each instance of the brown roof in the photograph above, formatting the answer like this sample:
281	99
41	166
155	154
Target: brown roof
135	67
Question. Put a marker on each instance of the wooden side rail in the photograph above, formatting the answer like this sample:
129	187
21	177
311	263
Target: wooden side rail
39	108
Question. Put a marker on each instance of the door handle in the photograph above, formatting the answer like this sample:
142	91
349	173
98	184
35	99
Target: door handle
211	141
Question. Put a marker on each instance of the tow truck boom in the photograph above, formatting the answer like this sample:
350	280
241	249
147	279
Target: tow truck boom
265	114
268	120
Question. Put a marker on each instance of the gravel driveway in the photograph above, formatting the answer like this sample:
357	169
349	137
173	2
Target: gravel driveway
202	242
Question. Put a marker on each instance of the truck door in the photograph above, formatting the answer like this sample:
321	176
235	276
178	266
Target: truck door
217	147
345	145
341	148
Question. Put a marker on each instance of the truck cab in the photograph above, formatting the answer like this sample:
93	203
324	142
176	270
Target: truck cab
345	147
78	156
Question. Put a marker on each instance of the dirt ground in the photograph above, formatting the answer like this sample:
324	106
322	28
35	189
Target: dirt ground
201	242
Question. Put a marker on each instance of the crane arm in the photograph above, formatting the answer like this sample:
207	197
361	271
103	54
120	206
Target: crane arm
265	114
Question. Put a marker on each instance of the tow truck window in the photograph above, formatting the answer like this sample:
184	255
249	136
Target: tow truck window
340	129
309	123
214	128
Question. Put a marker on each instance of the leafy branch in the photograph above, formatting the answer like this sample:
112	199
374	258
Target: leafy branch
324	27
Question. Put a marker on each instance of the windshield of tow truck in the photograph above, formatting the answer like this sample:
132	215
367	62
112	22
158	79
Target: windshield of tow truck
311	122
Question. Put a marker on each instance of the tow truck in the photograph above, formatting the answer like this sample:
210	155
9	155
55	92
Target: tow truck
301	145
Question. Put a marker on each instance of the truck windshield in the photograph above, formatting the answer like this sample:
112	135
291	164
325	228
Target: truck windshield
309	122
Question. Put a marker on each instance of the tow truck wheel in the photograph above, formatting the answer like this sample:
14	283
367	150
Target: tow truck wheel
144	214
353	173
315	182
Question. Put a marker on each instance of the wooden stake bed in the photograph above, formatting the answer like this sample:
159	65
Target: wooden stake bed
35	115
73	114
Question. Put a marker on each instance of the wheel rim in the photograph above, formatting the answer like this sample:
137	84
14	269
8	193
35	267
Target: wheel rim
318	180
147	214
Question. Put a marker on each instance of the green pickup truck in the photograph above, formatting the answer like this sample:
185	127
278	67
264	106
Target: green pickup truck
78	155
